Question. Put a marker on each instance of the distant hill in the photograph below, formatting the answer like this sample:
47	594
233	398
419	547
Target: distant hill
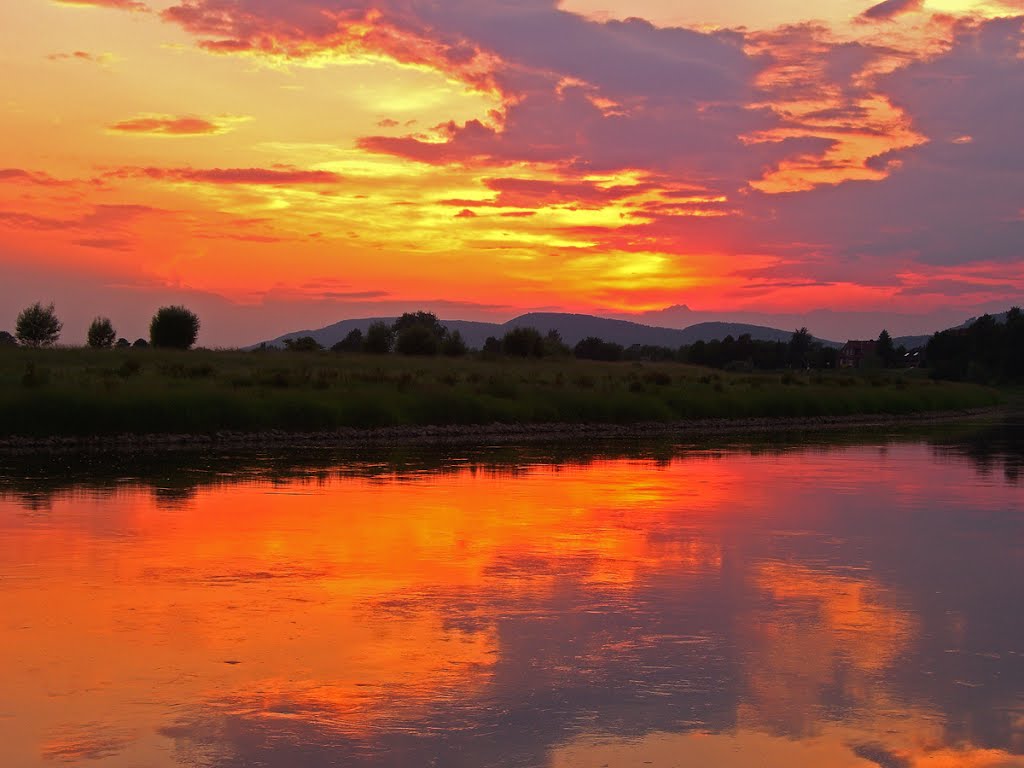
573	329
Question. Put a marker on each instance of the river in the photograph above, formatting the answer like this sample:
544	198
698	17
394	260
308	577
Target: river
854	603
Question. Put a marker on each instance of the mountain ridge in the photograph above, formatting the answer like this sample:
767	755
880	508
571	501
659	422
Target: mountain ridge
572	327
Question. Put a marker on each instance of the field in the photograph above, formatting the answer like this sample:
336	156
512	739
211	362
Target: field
94	392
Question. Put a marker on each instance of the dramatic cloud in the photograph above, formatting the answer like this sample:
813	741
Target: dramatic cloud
483	148
166	125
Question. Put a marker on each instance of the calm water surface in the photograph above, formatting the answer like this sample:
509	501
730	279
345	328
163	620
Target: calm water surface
846	606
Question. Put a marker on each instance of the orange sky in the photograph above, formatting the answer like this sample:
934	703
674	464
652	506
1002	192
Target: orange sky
287	165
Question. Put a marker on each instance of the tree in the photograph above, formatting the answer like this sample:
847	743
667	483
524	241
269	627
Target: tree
554	346
523	342
799	348
176	327
419	333
353	342
379	338
123	343
886	349
593	348
7	340
492	347
140	344
426	320
38	326
453	345
101	333
417	340
303	344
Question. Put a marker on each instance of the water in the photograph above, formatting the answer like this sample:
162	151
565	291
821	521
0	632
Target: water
836	606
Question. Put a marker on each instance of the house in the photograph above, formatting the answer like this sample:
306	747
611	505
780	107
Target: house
854	353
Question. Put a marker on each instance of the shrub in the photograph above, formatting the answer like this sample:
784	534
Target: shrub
123	343
140	344
303	344
38	326
593	348
176	327
101	333
7	340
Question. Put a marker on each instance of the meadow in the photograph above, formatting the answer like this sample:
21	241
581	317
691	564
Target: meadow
81	391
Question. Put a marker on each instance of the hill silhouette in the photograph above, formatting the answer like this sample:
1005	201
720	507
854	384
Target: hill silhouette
572	327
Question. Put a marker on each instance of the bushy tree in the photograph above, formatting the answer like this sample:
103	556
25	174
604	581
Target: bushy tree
7	340
353	342
419	333
303	344
140	344
176	327
38	326
101	333
417	340
800	348
426	320
523	342
379	338
123	343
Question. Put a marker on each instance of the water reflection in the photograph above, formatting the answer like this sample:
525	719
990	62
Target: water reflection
779	605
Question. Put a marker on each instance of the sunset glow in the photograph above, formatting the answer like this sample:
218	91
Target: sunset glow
286	165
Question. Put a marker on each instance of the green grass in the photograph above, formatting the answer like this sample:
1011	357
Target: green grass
85	392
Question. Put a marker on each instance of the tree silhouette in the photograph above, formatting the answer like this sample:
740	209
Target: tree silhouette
303	344
886	349
7	340
379	338
417	340
353	342
175	327
454	345
799	348
101	333
38	326
523	342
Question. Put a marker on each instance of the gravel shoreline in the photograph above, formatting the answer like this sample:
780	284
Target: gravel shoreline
482	434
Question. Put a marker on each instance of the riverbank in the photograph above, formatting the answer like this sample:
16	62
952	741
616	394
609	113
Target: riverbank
85	396
492	434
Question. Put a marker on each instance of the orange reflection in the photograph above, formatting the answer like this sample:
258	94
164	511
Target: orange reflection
358	605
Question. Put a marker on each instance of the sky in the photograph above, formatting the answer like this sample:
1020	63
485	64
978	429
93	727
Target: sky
284	165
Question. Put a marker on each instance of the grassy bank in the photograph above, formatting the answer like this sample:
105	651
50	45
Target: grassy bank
85	392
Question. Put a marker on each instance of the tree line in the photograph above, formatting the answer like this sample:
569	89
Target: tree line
37	326
987	351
